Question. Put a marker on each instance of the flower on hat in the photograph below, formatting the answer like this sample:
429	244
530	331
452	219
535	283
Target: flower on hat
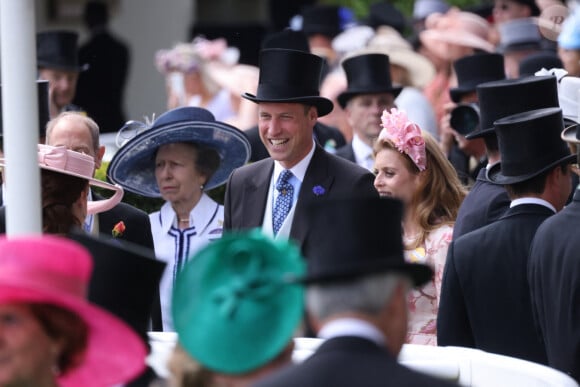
405	135
118	230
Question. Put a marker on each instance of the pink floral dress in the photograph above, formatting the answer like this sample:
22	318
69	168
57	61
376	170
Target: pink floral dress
424	302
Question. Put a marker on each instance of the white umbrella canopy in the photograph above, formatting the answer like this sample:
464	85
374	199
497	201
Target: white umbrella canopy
20	116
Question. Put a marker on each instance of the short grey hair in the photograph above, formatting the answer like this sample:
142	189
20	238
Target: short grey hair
366	295
88	121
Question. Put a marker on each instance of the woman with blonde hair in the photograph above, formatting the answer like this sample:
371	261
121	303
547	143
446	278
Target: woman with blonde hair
410	166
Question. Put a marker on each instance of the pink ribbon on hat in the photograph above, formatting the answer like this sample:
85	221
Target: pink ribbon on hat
405	135
66	160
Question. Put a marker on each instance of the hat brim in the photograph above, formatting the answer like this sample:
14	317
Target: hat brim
495	175
480	133
323	105
517	47
569	134
49	65
419	273
133	166
114	353
345	96
433	40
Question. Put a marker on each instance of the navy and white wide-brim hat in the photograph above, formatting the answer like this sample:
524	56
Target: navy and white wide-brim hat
133	166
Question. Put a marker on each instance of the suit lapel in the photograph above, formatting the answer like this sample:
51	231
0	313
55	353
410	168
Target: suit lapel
256	190
317	183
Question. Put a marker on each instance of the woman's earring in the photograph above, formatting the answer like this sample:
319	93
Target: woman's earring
201	187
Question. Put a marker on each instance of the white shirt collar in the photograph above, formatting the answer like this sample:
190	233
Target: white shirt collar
299	170
352	327
363	153
541	202
199	217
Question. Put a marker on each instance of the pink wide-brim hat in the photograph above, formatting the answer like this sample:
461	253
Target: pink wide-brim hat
54	270
456	27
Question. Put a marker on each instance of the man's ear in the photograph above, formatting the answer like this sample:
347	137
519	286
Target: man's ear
99	158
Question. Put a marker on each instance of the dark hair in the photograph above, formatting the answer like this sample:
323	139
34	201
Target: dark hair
535	185
59	192
491	143
61	324
208	160
96	14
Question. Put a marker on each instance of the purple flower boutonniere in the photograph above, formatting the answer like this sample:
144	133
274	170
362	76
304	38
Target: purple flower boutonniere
318	190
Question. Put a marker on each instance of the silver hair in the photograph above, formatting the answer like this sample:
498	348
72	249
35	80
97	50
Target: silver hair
366	295
91	125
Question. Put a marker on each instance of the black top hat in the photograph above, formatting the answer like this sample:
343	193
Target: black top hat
475	69
503	98
290	76
321	19
367	239
535	62
58	50
383	13
125	279
367	74
288	39
529	144
43	108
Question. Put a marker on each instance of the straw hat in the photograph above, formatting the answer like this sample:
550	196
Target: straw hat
400	52
56	271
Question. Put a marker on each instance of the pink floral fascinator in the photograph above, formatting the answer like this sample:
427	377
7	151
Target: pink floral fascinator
405	135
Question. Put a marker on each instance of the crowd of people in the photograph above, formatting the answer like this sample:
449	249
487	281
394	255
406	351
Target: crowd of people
378	190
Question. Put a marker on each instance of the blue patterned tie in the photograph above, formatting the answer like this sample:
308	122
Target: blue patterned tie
283	201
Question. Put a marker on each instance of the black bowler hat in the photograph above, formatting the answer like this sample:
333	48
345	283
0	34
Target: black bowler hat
367	239
529	65
290	76
367	74
321	19
58	50
503	98
43	108
529	144
125	279
475	69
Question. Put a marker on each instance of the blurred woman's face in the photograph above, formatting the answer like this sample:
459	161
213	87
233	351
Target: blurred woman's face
28	356
393	177
177	176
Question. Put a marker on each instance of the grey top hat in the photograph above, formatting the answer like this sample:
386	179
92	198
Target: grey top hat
518	35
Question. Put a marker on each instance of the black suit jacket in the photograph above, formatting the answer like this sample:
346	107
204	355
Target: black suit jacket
323	134
346	152
137	224
554	276
100	88
248	188
349	361
485	203
485	298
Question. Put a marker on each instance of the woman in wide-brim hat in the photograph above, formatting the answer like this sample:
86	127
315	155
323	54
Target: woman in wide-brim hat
183	154
65	179
51	335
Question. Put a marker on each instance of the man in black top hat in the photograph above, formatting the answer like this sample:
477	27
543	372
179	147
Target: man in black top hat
356	296
554	277
461	115
273	193
369	93
330	138
57	62
485	298
487	201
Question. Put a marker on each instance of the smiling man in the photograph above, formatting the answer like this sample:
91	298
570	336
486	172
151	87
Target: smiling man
272	193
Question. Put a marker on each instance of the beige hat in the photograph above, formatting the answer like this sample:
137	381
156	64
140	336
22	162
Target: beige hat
388	41
456	27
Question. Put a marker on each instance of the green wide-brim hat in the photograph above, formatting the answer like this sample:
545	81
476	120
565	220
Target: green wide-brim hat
236	303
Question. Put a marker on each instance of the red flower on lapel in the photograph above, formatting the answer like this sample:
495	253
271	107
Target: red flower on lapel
118	230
